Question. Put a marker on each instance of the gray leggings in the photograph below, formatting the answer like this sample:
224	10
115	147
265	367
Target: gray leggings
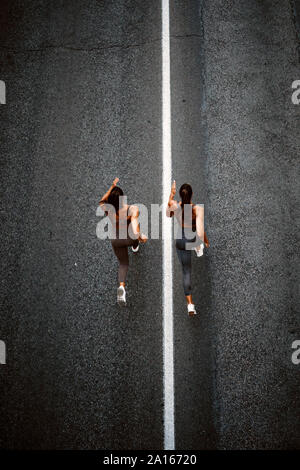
120	247
185	236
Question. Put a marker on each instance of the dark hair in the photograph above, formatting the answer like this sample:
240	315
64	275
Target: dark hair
114	198
186	193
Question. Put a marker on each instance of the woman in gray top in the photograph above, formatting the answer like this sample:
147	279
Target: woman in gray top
191	235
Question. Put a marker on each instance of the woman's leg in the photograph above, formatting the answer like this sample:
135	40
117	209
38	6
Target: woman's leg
185	258
120	248
121	253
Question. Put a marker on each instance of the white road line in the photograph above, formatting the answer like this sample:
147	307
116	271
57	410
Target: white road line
168	340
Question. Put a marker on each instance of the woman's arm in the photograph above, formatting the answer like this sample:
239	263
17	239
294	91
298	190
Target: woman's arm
172	205
206	240
106	195
135	226
200	222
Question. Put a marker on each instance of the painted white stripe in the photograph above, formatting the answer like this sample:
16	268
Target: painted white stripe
167	294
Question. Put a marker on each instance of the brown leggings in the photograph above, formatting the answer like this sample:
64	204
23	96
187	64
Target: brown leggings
120	247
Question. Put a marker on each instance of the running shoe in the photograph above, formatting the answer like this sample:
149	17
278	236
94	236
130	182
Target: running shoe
191	310
121	296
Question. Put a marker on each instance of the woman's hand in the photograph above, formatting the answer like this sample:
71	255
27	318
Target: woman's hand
206	242
143	238
169	213
106	195
173	188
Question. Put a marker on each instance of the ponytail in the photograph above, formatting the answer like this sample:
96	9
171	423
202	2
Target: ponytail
185	193
114	198
185	197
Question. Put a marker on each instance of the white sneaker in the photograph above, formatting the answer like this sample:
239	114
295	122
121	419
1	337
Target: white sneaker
191	310
121	296
135	250
199	250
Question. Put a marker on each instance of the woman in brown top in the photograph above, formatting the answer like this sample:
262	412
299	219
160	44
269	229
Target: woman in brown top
126	231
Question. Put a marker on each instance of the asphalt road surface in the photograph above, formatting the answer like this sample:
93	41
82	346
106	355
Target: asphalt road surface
83	105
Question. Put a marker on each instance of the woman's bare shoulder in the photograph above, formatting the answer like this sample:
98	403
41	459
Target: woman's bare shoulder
198	208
